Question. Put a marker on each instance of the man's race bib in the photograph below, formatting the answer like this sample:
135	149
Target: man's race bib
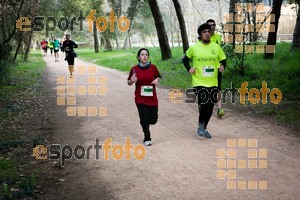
208	71
147	90
56	48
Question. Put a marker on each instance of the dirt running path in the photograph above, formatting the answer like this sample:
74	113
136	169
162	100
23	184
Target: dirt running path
180	164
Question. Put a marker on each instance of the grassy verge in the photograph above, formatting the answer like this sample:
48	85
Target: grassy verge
20	86
173	72
281	72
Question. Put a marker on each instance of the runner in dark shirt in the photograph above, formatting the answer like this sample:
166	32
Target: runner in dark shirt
68	48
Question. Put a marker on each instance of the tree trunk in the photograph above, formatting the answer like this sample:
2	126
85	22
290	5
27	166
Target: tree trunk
107	44
184	37
249	34
102	41
18	47
161	31
152	41
129	39
232	11
3	50
27	50
126	41
96	42
255	33
220	13
296	35
119	11
178	36
117	41
5	45
171	30
272	36
6	41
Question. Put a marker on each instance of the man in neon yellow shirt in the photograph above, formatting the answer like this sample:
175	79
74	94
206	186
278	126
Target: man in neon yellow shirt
208	59
215	37
50	45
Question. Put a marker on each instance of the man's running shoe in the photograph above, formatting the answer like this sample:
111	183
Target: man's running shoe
207	134
200	132
203	133
221	112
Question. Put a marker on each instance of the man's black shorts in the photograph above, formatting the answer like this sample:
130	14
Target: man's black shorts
206	94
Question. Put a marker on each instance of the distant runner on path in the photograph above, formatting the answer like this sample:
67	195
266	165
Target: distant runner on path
68	48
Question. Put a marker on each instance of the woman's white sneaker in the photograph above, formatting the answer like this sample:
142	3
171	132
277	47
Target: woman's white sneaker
148	143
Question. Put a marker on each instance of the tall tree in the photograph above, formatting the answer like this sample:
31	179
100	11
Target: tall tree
31	9
143	24
10	12
116	5
96	41
131	13
232	11
160	29
107	35
296	35
174	28
19	38
184	37
272	36
97	6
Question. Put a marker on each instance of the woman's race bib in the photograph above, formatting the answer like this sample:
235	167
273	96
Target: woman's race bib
147	90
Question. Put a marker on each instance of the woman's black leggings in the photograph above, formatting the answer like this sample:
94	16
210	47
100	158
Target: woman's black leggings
148	115
206	99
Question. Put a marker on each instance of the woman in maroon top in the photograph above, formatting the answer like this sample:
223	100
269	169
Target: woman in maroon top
145	76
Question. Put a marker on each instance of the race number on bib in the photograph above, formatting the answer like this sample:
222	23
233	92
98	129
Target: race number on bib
147	90
208	71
